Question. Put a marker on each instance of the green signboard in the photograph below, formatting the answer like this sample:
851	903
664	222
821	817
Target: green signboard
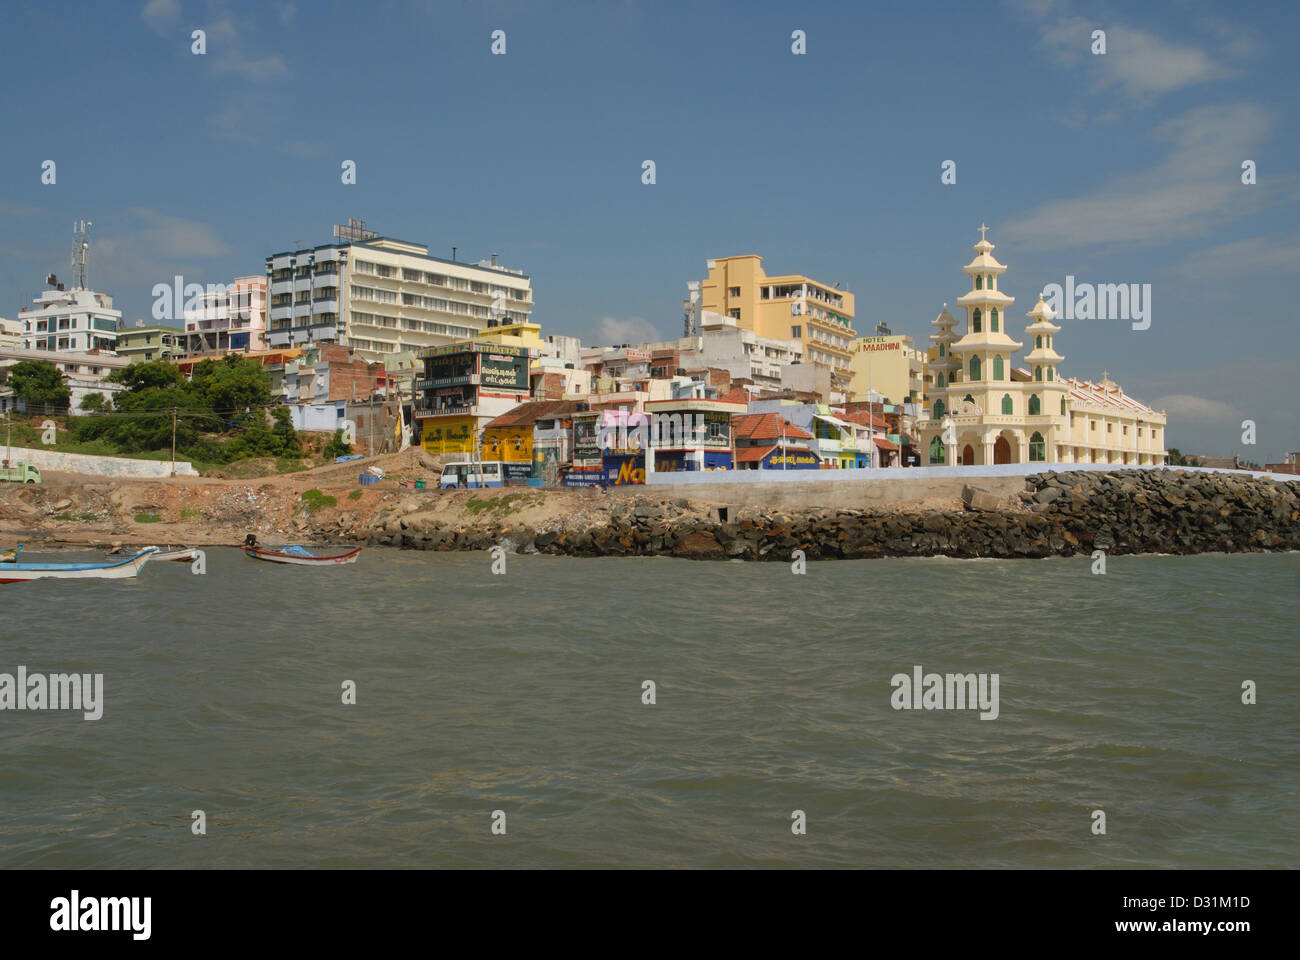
504	371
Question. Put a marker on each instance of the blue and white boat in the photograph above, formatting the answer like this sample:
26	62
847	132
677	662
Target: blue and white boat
16	571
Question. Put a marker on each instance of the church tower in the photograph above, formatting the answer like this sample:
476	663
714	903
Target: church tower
1043	358
944	364
984	351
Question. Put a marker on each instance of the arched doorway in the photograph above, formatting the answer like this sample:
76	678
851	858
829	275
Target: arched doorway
968	456
1001	451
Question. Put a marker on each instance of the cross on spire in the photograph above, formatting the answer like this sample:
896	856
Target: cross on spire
983	230
1105	375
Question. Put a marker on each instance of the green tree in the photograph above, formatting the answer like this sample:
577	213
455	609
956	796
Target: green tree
337	447
94	403
233	384
148	375
39	384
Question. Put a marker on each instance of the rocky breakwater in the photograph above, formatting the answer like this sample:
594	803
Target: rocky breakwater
1058	514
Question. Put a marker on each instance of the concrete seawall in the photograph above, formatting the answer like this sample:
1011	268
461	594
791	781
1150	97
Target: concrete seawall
1052	514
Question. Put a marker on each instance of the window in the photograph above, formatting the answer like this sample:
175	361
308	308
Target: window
939	382
993	320
1110	428
974	368
1049	373
1035	405
939	409
1063	411
997	367
734	312
1006	405
990	281
936	451
1038	373
941	353
979	282
733	291
1037	448
1038	340
796	333
977	321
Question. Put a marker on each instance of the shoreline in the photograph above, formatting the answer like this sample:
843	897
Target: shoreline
1121	512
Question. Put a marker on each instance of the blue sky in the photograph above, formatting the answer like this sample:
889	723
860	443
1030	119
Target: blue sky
1122	168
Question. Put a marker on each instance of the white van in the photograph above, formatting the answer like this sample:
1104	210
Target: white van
489	473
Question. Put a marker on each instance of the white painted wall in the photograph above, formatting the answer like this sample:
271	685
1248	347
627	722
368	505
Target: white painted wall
101	466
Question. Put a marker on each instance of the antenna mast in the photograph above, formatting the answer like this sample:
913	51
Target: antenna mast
80	244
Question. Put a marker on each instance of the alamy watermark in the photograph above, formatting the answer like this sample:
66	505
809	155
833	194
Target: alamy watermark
191	301
953	691
1102	301
55	691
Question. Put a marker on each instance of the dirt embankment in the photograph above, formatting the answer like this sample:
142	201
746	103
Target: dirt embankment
327	504
1126	511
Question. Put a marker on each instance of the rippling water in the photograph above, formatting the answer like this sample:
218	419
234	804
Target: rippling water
522	693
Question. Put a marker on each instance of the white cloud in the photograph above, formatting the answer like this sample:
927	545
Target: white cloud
161	16
145	247
631	330
1187	407
228	52
1213	265
1193	191
1140	64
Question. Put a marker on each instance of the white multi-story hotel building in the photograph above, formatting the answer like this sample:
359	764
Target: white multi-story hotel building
70	320
383	296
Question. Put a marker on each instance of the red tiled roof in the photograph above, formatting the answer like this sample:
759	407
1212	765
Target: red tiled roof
766	426
884	444
863	419
736	395
752	454
755	454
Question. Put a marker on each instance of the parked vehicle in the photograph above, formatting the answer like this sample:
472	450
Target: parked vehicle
20	473
489	473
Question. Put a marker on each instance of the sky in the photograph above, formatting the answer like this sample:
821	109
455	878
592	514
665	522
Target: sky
1115	167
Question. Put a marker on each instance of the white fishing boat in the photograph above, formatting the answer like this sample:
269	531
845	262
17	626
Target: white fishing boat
181	555
21	572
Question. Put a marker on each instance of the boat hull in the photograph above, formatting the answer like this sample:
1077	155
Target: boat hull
180	556
121	570
275	556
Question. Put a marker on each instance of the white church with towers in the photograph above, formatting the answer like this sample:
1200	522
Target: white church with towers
980	408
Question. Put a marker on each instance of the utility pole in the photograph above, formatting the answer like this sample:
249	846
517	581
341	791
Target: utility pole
173	441
9	443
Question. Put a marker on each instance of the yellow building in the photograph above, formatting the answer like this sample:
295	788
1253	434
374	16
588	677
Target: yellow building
792	307
890	366
982	410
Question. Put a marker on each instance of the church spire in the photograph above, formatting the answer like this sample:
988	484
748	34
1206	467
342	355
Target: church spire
1043	358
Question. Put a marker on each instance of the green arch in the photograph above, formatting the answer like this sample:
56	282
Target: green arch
1037	448
1035	405
997	366
975	368
936	451
939	409
1006	404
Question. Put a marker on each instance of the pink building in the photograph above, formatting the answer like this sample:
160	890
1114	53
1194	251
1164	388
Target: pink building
232	319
